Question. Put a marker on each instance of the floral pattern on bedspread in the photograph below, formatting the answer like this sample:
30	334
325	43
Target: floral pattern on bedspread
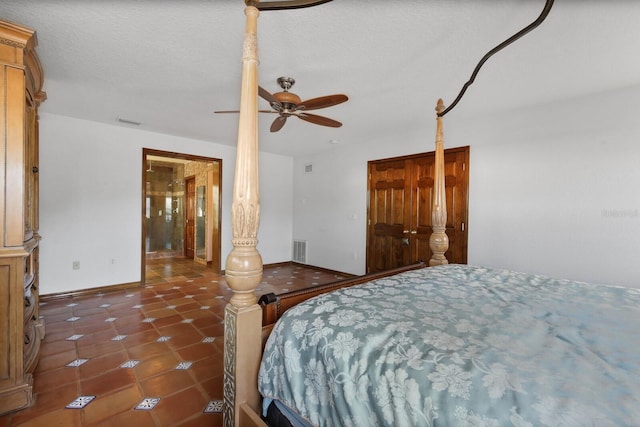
459	345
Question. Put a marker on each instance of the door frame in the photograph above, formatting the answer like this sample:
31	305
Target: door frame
189	209
216	243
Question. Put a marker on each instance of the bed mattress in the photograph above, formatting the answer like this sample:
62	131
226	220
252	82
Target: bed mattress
459	345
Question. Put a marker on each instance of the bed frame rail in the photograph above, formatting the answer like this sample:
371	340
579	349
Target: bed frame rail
273	306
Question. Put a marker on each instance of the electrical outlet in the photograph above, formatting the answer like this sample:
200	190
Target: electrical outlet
76	265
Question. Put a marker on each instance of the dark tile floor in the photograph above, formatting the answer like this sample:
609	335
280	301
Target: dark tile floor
142	357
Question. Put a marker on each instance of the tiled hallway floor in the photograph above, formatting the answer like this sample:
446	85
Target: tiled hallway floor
142	357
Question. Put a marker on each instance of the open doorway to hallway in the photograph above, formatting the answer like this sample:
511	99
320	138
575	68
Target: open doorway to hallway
181	209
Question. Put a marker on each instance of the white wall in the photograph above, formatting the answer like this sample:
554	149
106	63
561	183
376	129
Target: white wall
330	203
553	190
90	201
557	190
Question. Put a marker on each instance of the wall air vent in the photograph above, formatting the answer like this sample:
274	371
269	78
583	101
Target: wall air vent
300	251
308	168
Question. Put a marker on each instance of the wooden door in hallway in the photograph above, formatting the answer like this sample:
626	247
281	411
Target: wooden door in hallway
399	215
190	217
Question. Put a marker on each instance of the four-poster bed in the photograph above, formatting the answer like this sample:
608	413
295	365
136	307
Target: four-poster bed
476	347
243	271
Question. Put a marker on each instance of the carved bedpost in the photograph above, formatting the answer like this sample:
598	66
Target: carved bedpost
439	242
243	271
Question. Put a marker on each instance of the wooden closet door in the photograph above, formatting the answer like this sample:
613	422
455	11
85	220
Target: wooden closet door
400	199
456	187
456	171
389	208
419	223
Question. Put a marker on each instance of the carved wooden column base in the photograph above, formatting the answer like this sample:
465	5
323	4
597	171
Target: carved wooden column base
243	273
439	243
242	342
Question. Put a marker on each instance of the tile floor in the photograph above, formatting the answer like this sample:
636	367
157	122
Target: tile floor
142	357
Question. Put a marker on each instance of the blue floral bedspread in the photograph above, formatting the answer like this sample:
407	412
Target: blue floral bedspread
459	345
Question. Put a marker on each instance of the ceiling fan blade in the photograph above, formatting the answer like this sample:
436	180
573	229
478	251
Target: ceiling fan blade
322	102
278	123
319	120
267	96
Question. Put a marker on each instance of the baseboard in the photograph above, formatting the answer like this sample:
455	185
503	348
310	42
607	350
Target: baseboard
286	263
89	291
326	270
122	286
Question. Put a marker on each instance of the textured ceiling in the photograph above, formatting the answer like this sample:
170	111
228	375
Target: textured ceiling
171	64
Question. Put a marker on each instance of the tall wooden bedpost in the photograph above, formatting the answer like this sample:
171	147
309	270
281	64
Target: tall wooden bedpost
243	271
439	242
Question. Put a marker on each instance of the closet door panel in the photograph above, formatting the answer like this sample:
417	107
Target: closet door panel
422	171
456	187
389	205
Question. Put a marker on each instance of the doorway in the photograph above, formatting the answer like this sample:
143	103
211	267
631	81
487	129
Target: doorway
181	208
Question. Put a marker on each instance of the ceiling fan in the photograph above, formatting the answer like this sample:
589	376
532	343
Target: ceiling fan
287	104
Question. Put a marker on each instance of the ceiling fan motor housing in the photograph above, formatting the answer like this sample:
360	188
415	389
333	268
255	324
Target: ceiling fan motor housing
287	99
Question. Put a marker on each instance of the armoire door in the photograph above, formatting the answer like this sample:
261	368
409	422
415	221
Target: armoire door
399	215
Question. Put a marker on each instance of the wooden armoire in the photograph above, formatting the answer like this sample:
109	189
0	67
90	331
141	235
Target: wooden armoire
399	213
21	330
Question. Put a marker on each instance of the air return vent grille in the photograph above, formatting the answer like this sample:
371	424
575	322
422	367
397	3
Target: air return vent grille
300	251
